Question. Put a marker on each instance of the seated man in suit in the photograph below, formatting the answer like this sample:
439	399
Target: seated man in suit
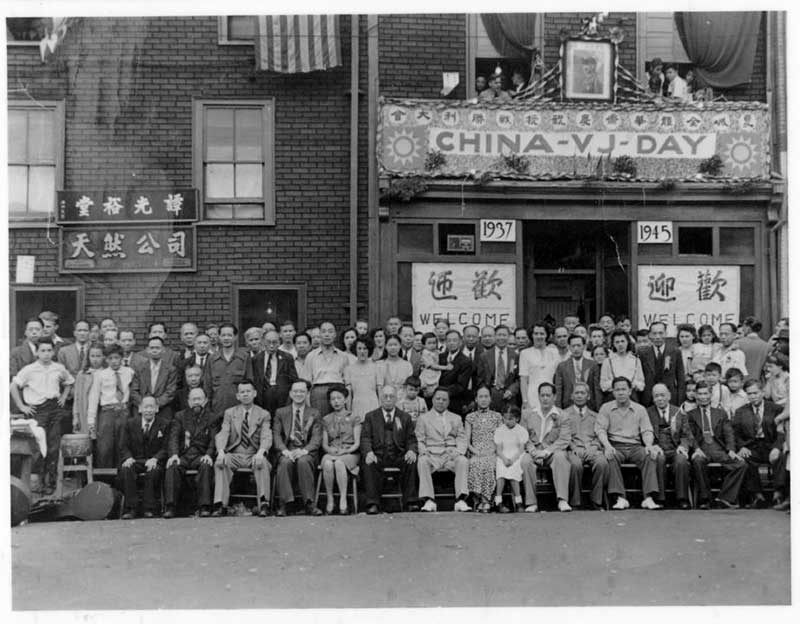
388	438
274	373
456	381
548	441
500	371
626	433
297	436
157	378
142	449
243	441
661	364
576	367
714	442
759	442
674	438
585	447
192	378
442	444
191	447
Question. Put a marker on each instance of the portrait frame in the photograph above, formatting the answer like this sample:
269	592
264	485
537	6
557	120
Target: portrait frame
587	68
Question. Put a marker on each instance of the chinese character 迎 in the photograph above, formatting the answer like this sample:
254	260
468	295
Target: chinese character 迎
174	203
177	244
485	285
142	206
661	288
147	244
112	206
441	284
708	286
83	205
112	245
79	244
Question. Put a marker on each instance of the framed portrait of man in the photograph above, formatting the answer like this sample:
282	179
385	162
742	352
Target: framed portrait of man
588	70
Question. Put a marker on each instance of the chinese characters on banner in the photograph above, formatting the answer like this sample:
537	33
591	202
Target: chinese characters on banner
127	249
464	294
695	295
136	206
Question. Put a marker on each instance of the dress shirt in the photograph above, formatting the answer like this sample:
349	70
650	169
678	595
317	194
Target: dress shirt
40	383
326	366
155	368
388	416
543	424
624	425
146	425
104	389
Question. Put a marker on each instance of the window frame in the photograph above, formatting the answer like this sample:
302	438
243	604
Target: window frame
268	177
22	44
299	287
57	108
16	289
222	33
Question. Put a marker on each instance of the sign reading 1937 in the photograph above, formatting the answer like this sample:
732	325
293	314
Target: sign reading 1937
131	206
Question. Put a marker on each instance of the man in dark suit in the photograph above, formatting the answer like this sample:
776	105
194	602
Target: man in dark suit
156	378
407	351
388	439
661	364
575	368
160	329
714	442
130	358
191	447
273	373
456	380
142	449
200	354
297	437
673	436
25	353
759	442
499	371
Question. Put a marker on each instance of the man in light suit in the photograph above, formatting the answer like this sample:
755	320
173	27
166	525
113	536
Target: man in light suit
156	378
243	441
661	364
585	447
442	444
577	367
297	437
273	373
674	438
499	371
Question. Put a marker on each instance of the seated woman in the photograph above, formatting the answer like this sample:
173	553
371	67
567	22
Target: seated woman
341	438
622	363
480	427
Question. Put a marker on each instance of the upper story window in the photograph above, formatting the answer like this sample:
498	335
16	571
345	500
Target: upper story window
26	30
35	158
237	29
657	37
233	159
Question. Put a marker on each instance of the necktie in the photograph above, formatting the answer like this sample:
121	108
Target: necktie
120	392
665	416
268	369
706	420
146	428
201	361
500	376
387	417
82	356
246	426
759	431
577	364
297	434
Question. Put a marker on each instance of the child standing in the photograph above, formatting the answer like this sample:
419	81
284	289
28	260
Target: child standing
108	406
412	404
738	398
83	384
510	443
689	404
720	395
429	368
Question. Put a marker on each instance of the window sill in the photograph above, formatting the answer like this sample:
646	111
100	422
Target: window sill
229	223
38	224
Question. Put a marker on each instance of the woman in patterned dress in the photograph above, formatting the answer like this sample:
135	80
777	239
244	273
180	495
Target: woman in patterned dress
363	381
480	428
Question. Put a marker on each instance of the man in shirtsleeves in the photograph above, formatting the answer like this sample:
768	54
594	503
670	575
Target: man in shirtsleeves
325	367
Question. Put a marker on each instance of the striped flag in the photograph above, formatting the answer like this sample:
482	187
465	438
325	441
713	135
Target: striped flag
297	43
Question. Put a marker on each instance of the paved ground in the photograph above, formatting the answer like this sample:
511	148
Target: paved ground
410	560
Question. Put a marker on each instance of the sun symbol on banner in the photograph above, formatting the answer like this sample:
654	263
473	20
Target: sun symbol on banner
404	148
740	153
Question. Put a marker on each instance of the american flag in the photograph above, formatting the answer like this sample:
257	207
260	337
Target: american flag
297	43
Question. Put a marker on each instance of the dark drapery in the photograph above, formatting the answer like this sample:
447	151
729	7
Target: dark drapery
511	34
720	45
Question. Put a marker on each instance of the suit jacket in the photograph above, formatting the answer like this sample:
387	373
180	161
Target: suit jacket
136	359
133	443
285	377
433	439
221	377
21	356
565	380
721	428
69	356
677	434
373	433
557	434
744	425
282	429
668	370
163	388
193	360
192	437
571	421
414	360
258	423
456	381
755	352
477	364
487	364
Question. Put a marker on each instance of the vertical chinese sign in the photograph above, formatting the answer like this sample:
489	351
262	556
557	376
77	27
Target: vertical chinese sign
692	295
127	232
463	294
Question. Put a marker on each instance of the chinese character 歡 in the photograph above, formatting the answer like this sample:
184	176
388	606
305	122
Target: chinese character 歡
661	288
83	205
147	244
112	206
142	206
112	245
174	203
441	284
708	286
79	245
177	244
485	285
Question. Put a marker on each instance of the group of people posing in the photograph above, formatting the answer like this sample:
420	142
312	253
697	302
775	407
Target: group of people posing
491	405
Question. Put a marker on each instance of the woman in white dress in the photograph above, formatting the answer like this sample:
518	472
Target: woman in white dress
363	381
622	362
394	370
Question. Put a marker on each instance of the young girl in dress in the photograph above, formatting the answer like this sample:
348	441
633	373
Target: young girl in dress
429	368
413	404
509	441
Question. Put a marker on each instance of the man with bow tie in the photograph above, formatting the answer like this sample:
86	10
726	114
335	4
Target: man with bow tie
674	438
661	364
142	449
243	441
388	439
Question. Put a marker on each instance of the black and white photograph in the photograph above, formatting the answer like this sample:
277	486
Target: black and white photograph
315	310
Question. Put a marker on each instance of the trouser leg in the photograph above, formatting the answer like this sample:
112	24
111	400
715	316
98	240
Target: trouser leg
559	466
461	469
127	479
575	478
680	468
700	471
661	476
204	479
529	478
647	467
734	479
173	481
306	466
261	472
424	470
599	465
151	489
48	416
283	479
409	480
373	481
615	483
223	473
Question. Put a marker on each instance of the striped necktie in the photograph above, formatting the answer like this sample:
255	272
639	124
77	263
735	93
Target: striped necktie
246	426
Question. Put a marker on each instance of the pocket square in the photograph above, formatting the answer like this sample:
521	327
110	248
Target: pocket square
160	435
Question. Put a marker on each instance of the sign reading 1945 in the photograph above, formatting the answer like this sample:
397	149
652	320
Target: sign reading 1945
654	231
498	230
131	206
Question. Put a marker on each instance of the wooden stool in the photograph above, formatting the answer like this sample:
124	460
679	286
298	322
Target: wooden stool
74	447
353	484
